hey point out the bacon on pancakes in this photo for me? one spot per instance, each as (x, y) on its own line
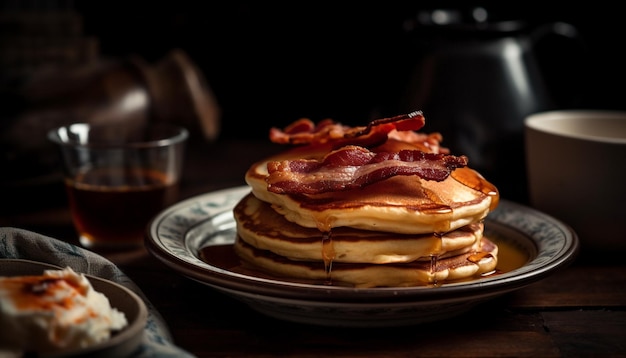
(304, 131)
(353, 167)
(350, 164)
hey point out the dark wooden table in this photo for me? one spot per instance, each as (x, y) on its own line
(578, 311)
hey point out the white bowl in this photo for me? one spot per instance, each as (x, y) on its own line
(575, 165)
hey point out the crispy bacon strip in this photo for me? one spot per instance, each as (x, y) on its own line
(304, 131)
(354, 167)
(430, 142)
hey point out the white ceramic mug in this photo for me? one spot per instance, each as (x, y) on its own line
(576, 168)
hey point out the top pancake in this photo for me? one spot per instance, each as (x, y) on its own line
(401, 204)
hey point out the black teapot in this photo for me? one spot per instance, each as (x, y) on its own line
(476, 79)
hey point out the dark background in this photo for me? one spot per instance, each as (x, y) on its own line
(270, 63)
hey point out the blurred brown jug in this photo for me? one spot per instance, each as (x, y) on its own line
(126, 90)
(476, 79)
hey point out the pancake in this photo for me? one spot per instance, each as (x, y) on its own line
(365, 228)
(401, 204)
(455, 268)
(262, 227)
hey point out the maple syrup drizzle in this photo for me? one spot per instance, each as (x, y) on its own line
(434, 258)
(433, 268)
(477, 256)
(328, 255)
(472, 179)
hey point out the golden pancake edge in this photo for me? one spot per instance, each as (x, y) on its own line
(262, 227)
(454, 268)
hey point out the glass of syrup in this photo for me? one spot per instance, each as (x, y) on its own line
(118, 176)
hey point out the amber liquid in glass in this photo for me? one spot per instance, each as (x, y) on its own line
(111, 207)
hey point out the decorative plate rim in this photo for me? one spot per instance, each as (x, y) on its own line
(167, 239)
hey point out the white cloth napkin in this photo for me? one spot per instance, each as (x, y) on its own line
(23, 244)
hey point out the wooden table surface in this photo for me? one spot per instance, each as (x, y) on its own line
(578, 311)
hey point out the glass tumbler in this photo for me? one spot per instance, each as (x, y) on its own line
(118, 177)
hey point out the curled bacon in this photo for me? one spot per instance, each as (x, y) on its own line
(304, 131)
(354, 167)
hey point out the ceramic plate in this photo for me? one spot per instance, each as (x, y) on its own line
(178, 234)
(122, 343)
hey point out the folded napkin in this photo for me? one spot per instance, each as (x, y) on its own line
(22, 244)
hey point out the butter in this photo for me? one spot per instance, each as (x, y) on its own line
(58, 310)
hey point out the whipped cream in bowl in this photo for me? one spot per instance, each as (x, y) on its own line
(57, 312)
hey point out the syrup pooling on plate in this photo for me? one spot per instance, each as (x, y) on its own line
(328, 255)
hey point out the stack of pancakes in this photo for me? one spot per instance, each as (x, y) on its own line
(397, 232)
